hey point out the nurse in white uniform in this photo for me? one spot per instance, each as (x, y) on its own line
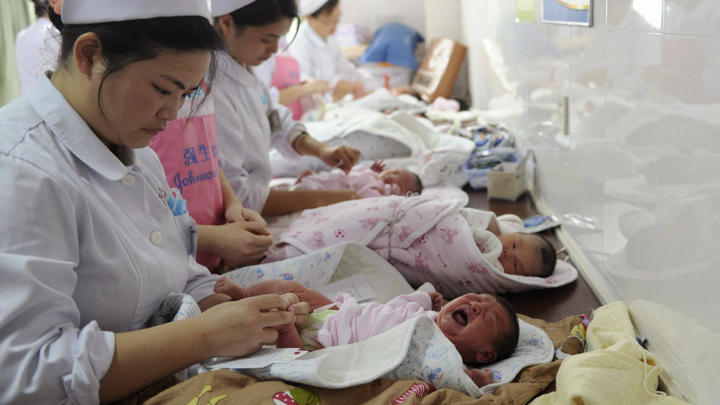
(249, 124)
(89, 247)
(287, 95)
(318, 53)
(27, 46)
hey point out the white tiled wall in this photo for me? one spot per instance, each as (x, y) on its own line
(641, 166)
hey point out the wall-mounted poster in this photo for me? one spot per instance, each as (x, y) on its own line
(526, 10)
(571, 12)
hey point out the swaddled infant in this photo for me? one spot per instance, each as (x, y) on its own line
(524, 254)
(458, 250)
(482, 327)
(373, 182)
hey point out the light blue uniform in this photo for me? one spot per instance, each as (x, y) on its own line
(88, 248)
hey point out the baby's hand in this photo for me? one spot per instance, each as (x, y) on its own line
(436, 301)
(482, 377)
(378, 166)
(308, 172)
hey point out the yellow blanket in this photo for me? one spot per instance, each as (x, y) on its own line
(614, 372)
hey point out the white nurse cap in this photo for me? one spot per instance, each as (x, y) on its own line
(222, 7)
(308, 7)
(100, 11)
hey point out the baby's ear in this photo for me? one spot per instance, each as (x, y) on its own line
(486, 356)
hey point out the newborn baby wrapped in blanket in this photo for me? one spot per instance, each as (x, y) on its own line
(375, 181)
(482, 328)
(428, 240)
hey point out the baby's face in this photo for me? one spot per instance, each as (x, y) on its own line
(403, 180)
(521, 254)
(472, 323)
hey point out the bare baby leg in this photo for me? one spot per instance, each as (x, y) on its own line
(280, 287)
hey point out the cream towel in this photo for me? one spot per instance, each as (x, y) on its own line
(614, 373)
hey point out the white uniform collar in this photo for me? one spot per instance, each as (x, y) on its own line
(313, 36)
(236, 71)
(73, 131)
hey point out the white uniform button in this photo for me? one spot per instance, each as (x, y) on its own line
(128, 180)
(156, 238)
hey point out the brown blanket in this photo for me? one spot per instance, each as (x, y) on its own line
(226, 387)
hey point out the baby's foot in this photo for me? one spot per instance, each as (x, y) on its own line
(436, 301)
(230, 288)
(482, 377)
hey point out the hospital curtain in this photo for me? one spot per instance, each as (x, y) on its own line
(15, 15)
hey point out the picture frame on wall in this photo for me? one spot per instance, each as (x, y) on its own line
(568, 12)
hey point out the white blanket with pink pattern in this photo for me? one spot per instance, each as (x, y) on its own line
(426, 239)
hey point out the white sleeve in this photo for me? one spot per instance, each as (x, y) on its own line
(345, 69)
(306, 57)
(251, 191)
(283, 140)
(274, 94)
(200, 282)
(46, 356)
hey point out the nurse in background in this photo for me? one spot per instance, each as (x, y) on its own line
(281, 75)
(249, 123)
(319, 54)
(188, 151)
(89, 244)
(28, 43)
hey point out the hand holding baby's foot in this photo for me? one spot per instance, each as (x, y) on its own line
(436, 299)
(482, 377)
(230, 288)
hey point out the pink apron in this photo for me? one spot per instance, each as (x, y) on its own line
(188, 151)
(287, 73)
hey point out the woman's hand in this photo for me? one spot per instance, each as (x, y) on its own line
(333, 155)
(298, 308)
(239, 243)
(313, 86)
(342, 89)
(236, 213)
(239, 328)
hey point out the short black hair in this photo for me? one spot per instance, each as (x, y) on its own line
(506, 343)
(264, 12)
(41, 7)
(549, 257)
(127, 42)
(326, 8)
(418, 183)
